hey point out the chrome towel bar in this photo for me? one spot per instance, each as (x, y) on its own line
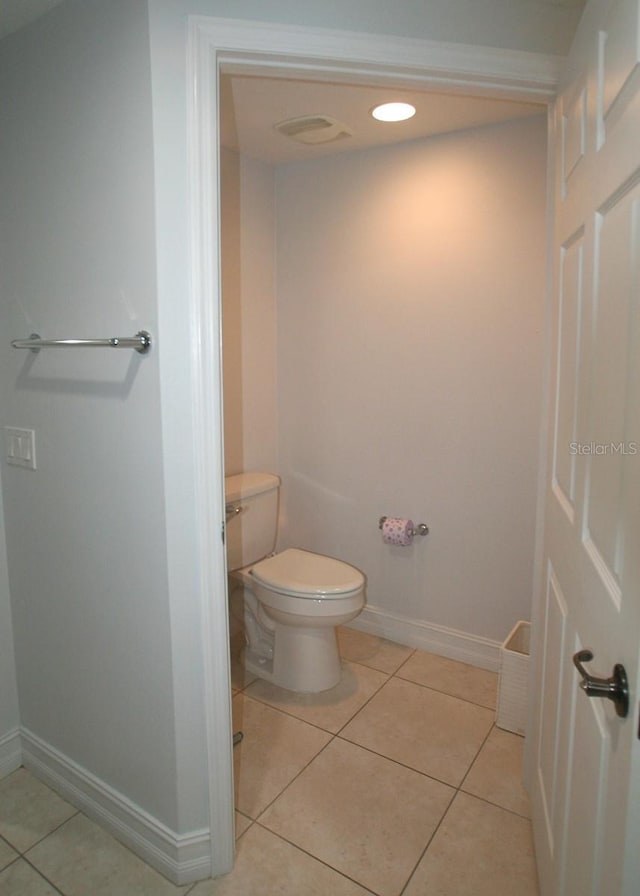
(141, 342)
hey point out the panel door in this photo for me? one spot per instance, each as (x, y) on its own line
(586, 757)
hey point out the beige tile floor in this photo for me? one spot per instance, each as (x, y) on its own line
(395, 782)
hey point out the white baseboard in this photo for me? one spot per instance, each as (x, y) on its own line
(472, 649)
(182, 858)
(10, 752)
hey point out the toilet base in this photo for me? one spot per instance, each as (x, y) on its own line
(305, 659)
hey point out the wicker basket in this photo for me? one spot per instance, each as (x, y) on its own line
(513, 679)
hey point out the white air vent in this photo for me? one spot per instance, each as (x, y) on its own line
(314, 129)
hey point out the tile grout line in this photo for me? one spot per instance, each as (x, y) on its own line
(458, 791)
(334, 735)
(406, 659)
(338, 734)
(22, 853)
(53, 830)
(455, 789)
(473, 761)
(288, 785)
(446, 812)
(292, 715)
(317, 859)
(484, 799)
(4, 840)
(366, 703)
(428, 844)
(428, 687)
(397, 762)
(35, 868)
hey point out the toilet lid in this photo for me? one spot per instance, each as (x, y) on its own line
(306, 574)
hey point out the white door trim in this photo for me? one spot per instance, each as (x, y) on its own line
(455, 68)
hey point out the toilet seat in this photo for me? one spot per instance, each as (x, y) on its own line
(306, 575)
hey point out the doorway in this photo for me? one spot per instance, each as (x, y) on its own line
(216, 45)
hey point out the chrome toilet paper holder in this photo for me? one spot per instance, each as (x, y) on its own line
(420, 529)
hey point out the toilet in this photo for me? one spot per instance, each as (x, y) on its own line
(293, 600)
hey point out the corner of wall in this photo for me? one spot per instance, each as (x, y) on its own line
(10, 753)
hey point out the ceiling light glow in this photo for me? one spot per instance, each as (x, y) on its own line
(393, 111)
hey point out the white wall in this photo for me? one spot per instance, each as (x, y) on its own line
(511, 24)
(98, 639)
(410, 286)
(249, 314)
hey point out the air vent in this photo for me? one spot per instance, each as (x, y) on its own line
(313, 129)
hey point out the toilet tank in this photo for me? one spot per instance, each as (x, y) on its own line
(252, 517)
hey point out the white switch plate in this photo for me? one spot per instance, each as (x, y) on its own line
(20, 447)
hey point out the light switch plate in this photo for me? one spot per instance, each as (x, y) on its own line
(20, 447)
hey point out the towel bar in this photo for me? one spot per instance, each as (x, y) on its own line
(141, 342)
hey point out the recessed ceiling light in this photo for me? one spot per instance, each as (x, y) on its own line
(393, 111)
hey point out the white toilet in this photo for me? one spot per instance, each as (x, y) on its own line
(293, 600)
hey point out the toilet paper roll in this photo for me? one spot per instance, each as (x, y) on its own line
(397, 531)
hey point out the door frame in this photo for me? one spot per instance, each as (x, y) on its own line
(282, 50)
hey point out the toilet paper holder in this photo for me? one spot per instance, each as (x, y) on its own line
(420, 529)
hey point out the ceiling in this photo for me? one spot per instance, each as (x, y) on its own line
(252, 105)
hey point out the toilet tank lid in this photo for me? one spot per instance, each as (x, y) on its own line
(244, 485)
(303, 573)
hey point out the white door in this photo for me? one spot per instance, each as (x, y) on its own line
(586, 783)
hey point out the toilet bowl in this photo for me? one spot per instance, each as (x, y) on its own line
(293, 600)
(305, 596)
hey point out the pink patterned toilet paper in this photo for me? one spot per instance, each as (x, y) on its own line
(397, 531)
